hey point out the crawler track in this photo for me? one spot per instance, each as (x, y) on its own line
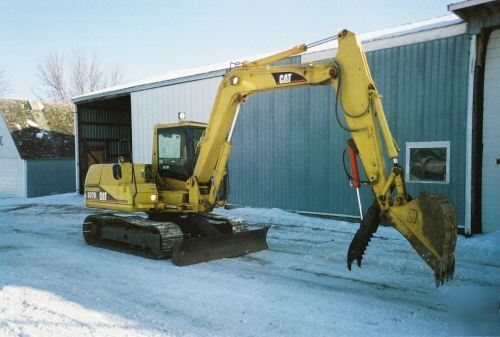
(186, 239)
(133, 235)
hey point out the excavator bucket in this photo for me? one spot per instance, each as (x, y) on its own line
(220, 246)
(429, 224)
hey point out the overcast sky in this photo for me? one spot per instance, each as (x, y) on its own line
(152, 37)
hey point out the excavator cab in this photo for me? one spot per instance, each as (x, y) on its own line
(175, 154)
(176, 150)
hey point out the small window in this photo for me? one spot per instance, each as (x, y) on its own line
(169, 145)
(428, 162)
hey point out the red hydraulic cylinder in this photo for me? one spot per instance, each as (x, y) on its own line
(355, 182)
(354, 166)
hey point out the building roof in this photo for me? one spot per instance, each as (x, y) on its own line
(475, 9)
(392, 32)
(219, 69)
(39, 130)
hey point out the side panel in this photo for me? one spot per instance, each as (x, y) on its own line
(161, 105)
(12, 177)
(491, 136)
(50, 176)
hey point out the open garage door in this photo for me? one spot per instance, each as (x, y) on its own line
(101, 125)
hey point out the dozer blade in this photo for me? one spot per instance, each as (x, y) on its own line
(429, 224)
(203, 249)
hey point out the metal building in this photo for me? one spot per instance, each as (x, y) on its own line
(287, 146)
(36, 148)
(483, 18)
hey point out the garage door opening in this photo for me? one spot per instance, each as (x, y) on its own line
(101, 126)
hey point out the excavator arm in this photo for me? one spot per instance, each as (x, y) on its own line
(427, 222)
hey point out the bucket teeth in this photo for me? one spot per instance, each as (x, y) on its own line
(445, 274)
(363, 236)
(357, 247)
(445, 271)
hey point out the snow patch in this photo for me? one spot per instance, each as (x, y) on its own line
(25, 311)
(41, 134)
(53, 284)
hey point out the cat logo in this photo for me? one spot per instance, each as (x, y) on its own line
(288, 78)
(285, 78)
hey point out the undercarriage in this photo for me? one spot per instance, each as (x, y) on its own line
(186, 239)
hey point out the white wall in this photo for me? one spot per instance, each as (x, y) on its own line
(12, 177)
(491, 138)
(12, 167)
(161, 105)
(7, 147)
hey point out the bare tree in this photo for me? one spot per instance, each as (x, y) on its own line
(115, 76)
(85, 74)
(96, 77)
(4, 84)
(51, 77)
(78, 73)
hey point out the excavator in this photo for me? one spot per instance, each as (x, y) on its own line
(187, 177)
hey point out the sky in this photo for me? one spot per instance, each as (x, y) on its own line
(151, 37)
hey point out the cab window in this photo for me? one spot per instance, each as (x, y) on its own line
(172, 154)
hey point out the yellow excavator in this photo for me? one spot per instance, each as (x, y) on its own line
(187, 177)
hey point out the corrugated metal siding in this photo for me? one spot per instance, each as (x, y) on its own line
(161, 105)
(491, 139)
(50, 176)
(288, 148)
(12, 177)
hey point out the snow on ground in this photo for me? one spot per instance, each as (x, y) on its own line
(53, 284)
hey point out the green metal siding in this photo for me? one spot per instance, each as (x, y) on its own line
(50, 176)
(288, 147)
